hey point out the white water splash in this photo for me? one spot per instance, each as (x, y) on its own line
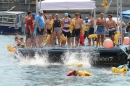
(39, 60)
(77, 58)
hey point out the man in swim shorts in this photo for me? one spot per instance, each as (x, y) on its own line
(100, 29)
(91, 29)
(111, 27)
(40, 22)
(77, 28)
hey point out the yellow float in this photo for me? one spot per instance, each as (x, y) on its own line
(79, 64)
(11, 48)
(72, 25)
(62, 38)
(85, 27)
(119, 70)
(116, 37)
(46, 39)
(84, 73)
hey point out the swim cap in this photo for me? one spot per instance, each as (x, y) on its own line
(66, 14)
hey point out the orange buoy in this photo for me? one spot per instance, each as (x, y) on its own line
(108, 43)
(126, 41)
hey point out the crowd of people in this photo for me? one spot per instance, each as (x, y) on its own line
(43, 24)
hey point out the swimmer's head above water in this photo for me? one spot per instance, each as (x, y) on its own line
(74, 73)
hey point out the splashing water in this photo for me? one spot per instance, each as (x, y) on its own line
(39, 60)
(77, 58)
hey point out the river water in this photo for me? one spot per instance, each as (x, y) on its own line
(38, 72)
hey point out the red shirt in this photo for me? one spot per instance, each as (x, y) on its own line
(29, 21)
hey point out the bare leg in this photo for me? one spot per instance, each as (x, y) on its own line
(53, 39)
(89, 41)
(123, 36)
(102, 39)
(93, 41)
(72, 41)
(77, 42)
(112, 38)
(68, 42)
(98, 40)
(28, 44)
(58, 37)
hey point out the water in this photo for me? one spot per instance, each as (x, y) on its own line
(39, 72)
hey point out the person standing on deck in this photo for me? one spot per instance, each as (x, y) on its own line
(128, 29)
(77, 28)
(100, 29)
(25, 21)
(91, 29)
(66, 21)
(123, 29)
(40, 22)
(49, 28)
(86, 23)
(45, 15)
(29, 29)
(111, 27)
(57, 25)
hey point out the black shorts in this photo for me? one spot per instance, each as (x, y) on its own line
(77, 33)
(66, 34)
(40, 32)
(85, 34)
(48, 31)
(72, 34)
(29, 35)
(112, 33)
(91, 31)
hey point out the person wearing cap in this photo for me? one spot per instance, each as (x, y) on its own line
(66, 21)
(100, 29)
(40, 22)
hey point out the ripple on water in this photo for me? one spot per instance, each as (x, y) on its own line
(37, 73)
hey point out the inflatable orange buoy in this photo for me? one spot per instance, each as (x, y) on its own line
(108, 43)
(81, 39)
(126, 41)
(69, 73)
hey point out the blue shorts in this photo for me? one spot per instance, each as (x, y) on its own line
(111, 32)
(56, 29)
(100, 30)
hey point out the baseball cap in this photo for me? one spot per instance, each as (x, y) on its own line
(40, 11)
(86, 18)
(66, 14)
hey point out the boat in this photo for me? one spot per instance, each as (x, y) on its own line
(11, 22)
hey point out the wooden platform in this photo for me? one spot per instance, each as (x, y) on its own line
(115, 55)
